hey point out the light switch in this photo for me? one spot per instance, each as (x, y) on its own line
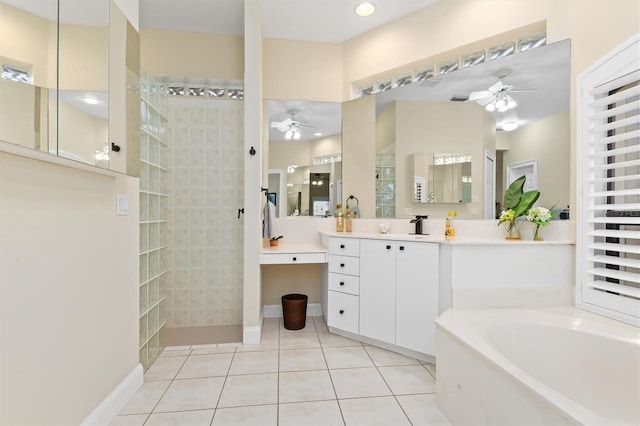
(122, 205)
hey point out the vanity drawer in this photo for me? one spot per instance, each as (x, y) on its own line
(343, 311)
(344, 283)
(344, 265)
(290, 258)
(344, 246)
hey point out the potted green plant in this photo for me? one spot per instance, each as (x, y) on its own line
(516, 203)
(273, 241)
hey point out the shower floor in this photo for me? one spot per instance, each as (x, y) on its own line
(180, 336)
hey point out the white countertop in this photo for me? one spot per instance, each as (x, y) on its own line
(466, 240)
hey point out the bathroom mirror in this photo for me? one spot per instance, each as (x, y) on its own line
(441, 178)
(55, 61)
(305, 147)
(28, 51)
(83, 81)
(542, 135)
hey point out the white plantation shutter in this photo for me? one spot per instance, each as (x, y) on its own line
(608, 243)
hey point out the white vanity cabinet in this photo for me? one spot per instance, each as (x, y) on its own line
(378, 289)
(417, 284)
(343, 284)
(399, 293)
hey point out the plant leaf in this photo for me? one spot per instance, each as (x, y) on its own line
(513, 193)
(527, 200)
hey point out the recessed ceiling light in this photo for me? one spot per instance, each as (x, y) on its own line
(365, 9)
(317, 134)
(90, 100)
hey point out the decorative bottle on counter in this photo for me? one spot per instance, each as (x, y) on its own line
(339, 219)
(347, 220)
(449, 232)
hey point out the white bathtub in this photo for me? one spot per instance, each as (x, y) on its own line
(537, 366)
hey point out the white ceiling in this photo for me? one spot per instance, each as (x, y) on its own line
(310, 20)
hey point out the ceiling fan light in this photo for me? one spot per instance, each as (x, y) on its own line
(296, 135)
(491, 106)
(511, 103)
(288, 135)
(365, 9)
(509, 126)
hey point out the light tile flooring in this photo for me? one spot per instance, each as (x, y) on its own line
(305, 377)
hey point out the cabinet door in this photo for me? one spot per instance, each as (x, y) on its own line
(377, 289)
(417, 296)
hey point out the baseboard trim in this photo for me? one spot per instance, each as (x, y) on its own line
(253, 335)
(275, 311)
(109, 408)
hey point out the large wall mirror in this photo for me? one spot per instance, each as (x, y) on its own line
(436, 116)
(55, 57)
(305, 163)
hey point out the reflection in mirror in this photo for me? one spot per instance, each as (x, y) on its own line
(305, 147)
(83, 78)
(28, 52)
(542, 113)
(55, 76)
(441, 178)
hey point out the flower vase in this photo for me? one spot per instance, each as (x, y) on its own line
(512, 230)
(537, 234)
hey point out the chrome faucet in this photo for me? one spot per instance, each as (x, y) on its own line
(418, 222)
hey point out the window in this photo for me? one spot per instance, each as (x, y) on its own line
(16, 74)
(608, 243)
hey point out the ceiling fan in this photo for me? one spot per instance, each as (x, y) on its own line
(497, 97)
(291, 127)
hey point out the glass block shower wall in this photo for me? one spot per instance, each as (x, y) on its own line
(206, 178)
(153, 218)
(386, 185)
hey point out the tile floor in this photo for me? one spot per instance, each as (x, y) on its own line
(305, 377)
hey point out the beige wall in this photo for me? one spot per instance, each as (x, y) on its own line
(29, 40)
(84, 58)
(432, 127)
(17, 118)
(69, 288)
(188, 54)
(546, 141)
(303, 70)
(300, 153)
(278, 280)
(68, 293)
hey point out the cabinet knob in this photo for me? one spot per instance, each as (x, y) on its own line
(341, 282)
(342, 265)
(388, 247)
(341, 311)
(401, 247)
(341, 245)
(295, 258)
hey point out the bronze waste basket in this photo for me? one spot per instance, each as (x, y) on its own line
(294, 311)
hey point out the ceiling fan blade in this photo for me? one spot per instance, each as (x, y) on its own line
(482, 94)
(497, 86)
